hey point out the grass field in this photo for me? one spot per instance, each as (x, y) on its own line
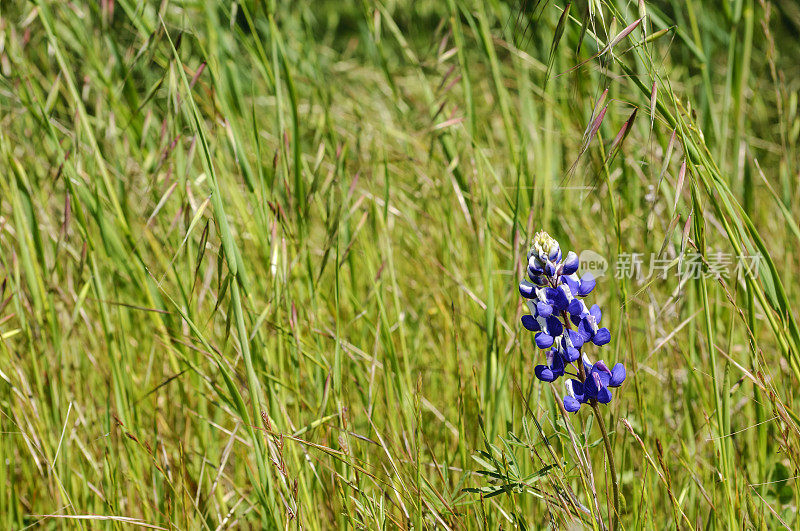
(259, 262)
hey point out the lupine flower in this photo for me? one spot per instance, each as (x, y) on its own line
(563, 324)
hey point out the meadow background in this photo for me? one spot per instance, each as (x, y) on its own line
(259, 262)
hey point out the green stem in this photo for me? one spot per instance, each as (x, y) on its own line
(611, 465)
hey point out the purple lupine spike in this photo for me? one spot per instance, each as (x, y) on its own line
(564, 325)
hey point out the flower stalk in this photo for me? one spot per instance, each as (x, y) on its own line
(611, 464)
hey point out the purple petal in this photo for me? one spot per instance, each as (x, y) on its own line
(539, 280)
(530, 323)
(527, 290)
(617, 375)
(543, 340)
(555, 253)
(571, 283)
(544, 309)
(586, 365)
(602, 373)
(557, 298)
(571, 263)
(544, 373)
(571, 354)
(576, 338)
(557, 366)
(601, 366)
(571, 405)
(575, 307)
(576, 389)
(554, 326)
(602, 337)
(587, 285)
(604, 395)
(595, 312)
(585, 330)
(592, 385)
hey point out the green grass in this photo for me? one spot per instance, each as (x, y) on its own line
(259, 262)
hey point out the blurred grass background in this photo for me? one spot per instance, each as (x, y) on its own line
(258, 261)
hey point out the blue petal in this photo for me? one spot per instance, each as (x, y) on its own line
(550, 269)
(539, 280)
(571, 405)
(585, 330)
(576, 338)
(543, 340)
(604, 395)
(602, 337)
(530, 323)
(587, 367)
(587, 285)
(571, 283)
(544, 309)
(557, 298)
(571, 263)
(575, 307)
(527, 290)
(558, 364)
(555, 253)
(592, 385)
(617, 375)
(601, 366)
(595, 312)
(544, 373)
(603, 374)
(571, 354)
(578, 389)
(554, 326)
